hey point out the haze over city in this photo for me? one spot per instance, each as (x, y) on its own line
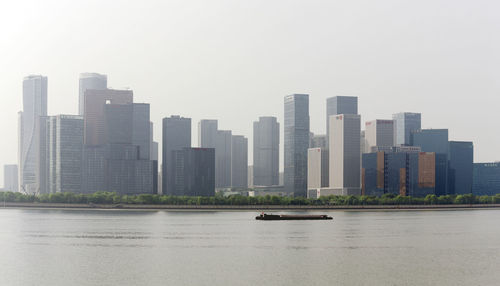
(234, 61)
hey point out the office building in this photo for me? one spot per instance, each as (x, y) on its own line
(435, 140)
(42, 141)
(207, 133)
(250, 177)
(404, 124)
(193, 172)
(153, 148)
(460, 162)
(141, 129)
(89, 81)
(10, 178)
(176, 136)
(223, 159)
(317, 168)
(339, 105)
(94, 119)
(318, 141)
(345, 155)
(266, 140)
(486, 179)
(404, 172)
(34, 105)
(239, 161)
(65, 154)
(378, 133)
(296, 143)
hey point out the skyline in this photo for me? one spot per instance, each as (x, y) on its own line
(448, 60)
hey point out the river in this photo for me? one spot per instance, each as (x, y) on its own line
(125, 247)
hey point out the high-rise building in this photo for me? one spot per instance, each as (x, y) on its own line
(317, 168)
(405, 171)
(430, 140)
(404, 124)
(153, 149)
(486, 179)
(94, 119)
(193, 172)
(10, 178)
(89, 81)
(116, 156)
(435, 140)
(378, 133)
(461, 158)
(339, 105)
(42, 139)
(176, 136)
(65, 149)
(207, 133)
(223, 159)
(34, 105)
(141, 135)
(266, 140)
(239, 161)
(296, 143)
(345, 153)
(319, 141)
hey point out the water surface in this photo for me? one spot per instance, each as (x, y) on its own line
(115, 247)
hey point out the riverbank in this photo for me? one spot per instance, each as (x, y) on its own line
(244, 207)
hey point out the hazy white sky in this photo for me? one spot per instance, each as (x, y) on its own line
(235, 60)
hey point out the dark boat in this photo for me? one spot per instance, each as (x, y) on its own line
(264, 216)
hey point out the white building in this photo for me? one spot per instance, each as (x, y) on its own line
(378, 133)
(317, 168)
(345, 154)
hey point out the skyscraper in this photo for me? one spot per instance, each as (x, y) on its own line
(345, 152)
(141, 135)
(223, 159)
(34, 105)
(239, 161)
(266, 140)
(319, 141)
(94, 120)
(379, 133)
(65, 149)
(193, 172)
(10, 178)
(339, 105)
(89, 81)
(431, 140)
(461, 158)
(404, 124)
(296, 143)
(317, 168)
(486, 179)
(207, 133)
(176, 136)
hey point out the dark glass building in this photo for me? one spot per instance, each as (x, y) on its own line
(460, 162)
(400, 173)
(176, 136)
(296, 143)
(193, 172)
(486, 179)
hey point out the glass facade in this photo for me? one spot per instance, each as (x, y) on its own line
(404, 124)
(461, 158)
(266, 140)
(296, 143)
(486, 179)
(176, 136)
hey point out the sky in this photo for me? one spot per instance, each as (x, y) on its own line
(235, 60)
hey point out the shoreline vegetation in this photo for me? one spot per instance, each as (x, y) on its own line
(109, 200)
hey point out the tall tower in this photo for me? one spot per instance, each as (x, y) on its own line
(296, 143)
(89, 81)
(339, 105)
(207, 133)
(176, 136)
(379, 133)
(239, 161)
(34, 106)
(345, 163)
(404, 124)
(266, 140)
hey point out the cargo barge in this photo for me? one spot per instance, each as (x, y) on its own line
(264, 216)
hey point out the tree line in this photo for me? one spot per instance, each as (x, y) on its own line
(239, 200)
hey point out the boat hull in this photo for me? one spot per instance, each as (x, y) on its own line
(292, 217)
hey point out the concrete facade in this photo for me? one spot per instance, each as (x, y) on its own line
(266, 140)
